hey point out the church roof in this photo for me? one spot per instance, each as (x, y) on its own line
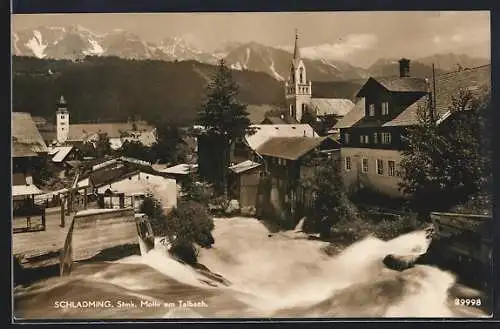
(331, 106)
(113, 130)
(296, 49)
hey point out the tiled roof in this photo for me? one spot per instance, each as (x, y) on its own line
(113, 130)
(61, 153)
(353, 116)
(20, 190)
(410, 115)
(180, 169)
(290, 148)
(275, 121)
(26, 138)
(406, 84)
(331, 106)
(105, 176)
(449, 84)
(244, 166)
(265, 132)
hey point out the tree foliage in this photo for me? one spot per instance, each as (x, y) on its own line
(136, 150)
(446, 163)
(221, 113)
(330, 203)
(186, 226)
(169, 146)
(224, 118)
(103, 145)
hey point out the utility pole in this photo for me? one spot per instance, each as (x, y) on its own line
(433, 101)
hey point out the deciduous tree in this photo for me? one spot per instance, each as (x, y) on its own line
(447, 162)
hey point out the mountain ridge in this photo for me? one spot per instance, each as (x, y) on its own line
(75, 42)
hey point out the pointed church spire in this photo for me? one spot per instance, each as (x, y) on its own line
(62, 101)
(296, 50)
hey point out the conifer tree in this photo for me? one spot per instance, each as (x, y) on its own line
(223, 117)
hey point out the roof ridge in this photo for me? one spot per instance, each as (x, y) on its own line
(464, 70)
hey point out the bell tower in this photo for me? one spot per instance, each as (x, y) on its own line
(297, 89)
(62, 121)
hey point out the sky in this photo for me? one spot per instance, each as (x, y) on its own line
(360, 37)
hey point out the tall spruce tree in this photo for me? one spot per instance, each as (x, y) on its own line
(224, 119)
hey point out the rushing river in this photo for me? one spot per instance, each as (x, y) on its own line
(281, 275)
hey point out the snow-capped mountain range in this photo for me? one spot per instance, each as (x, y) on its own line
(75, 42)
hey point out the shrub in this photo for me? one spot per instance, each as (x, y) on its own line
(189, 224)
(152, 207)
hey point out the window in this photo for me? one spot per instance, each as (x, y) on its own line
(301, 75)
(346, 138)
(375, 138)
(380, 167)
(385, 108)
(304, 108)
(347, 163)
(391, 167)
(364, 165)
(371, 110)
(364, 139)
(386, 138)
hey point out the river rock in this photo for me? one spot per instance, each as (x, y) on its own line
(399, 262)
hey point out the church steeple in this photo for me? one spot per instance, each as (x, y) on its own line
(296, 49)
(297, 88)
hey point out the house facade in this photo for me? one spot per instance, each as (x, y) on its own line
(282, 194)
(373, 134)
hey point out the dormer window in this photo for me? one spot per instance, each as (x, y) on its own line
(385, 108)
(371, 110)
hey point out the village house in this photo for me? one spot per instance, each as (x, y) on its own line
(243, 182)
(123, 182)
(66, 133)
(29, 154)
(373, 133)
(282, 194)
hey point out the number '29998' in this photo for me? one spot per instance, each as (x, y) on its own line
(468, 301)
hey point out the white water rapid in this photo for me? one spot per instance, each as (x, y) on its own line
(268, 275)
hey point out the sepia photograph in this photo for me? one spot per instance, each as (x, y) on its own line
(251, 165)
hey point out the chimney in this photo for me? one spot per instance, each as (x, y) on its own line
(404, 68)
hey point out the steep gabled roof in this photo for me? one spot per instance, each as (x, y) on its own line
(290, 148)
(26, 139)
(353, 116)
(397, 84)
